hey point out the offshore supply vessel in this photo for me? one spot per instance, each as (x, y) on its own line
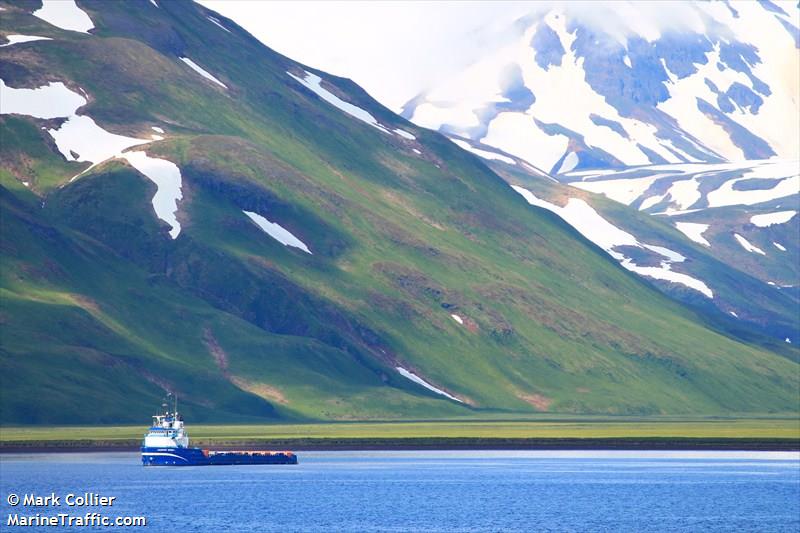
(166, 443)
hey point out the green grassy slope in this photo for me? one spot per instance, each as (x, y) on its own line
(102, 311)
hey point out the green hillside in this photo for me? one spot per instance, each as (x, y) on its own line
(102, 311)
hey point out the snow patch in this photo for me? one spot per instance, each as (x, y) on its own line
(218, 23)
(672, 255)
(277, 232)
(769, 219)
(789, 184)
(64, 14)
(418, 380)
(779, 246)
(664, 272)
(17, 39)
(313, 83)
(682, 105)
(685, 193)
(154, 2)
(79, 138)
(517, 134)
(594, 227)
(53, 100)
(569, 163)
(622, 190)
(457, 318)
(91, 143)
(734, 314)
(167, 177)
(650, 201)
(747, 246)
(585, 219)
(200, 70)
(483, 153)
(156, 129)
(404, 134)
(686, 182)
(694, 231)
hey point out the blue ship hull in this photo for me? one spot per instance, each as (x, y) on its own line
(200, 457)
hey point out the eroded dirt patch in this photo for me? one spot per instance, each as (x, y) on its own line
(219, 355)
(262, 390)
(541, 403)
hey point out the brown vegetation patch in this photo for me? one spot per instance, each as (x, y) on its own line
(539, 402)
(403, 203)
(219, 355)
(87, 304)
(262, 390)
(470, 324)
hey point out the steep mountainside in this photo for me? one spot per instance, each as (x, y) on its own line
(625, 84)
(184, 209)
(720, 206)
(687, 112)
(703, 264)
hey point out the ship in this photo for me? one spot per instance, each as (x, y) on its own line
(166, 443)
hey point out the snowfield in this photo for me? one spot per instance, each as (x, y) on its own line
(563, 90)
(277, 232)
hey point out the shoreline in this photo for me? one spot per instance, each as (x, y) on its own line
(427, 443)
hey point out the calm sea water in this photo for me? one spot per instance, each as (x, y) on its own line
(428, 491)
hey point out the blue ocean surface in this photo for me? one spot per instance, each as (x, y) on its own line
(426, 491)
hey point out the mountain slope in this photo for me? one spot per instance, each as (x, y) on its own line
(608, 85)
(756, 200)
(184, 209)
(691, 262)
(686, 111)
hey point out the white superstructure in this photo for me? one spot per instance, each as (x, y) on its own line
(167, 431)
